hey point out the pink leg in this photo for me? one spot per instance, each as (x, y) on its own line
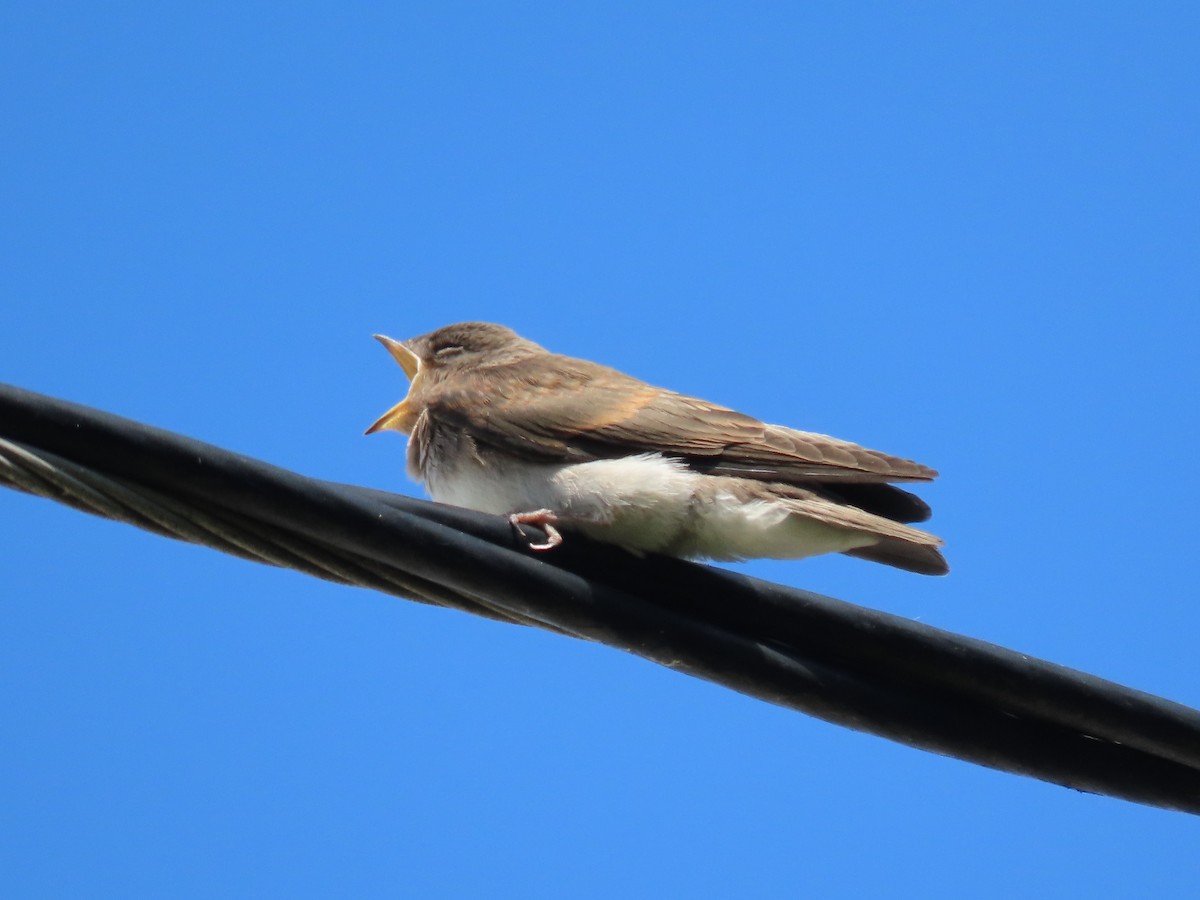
(544, 519)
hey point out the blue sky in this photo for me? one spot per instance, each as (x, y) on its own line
(967, 235)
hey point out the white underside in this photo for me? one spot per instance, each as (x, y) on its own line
(644, 503)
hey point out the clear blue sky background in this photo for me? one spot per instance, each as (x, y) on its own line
(968, 235)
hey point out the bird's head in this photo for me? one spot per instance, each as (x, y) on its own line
(442, 353)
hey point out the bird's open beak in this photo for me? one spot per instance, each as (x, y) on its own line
(400, 417)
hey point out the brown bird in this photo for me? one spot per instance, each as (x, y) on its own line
(499, 424)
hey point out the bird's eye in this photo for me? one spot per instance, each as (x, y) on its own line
(447, 352)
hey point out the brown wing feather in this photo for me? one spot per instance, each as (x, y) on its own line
(839, 516)
(573, 410)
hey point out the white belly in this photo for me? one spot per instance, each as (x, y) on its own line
(644, 503)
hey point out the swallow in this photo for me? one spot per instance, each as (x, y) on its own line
(499, 424)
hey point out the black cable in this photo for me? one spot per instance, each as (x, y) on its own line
(856, 667)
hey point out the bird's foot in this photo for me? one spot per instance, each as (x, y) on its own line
(544, 519)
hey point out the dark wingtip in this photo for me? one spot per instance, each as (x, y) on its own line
(882, 500)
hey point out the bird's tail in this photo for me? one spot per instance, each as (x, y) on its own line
(896, 544)
(920, 558)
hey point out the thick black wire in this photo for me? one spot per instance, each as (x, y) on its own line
(49, 475)
(857, 667)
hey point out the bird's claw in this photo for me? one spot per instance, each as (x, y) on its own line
(544, 519)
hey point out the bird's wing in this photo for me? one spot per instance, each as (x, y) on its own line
(572, 410)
